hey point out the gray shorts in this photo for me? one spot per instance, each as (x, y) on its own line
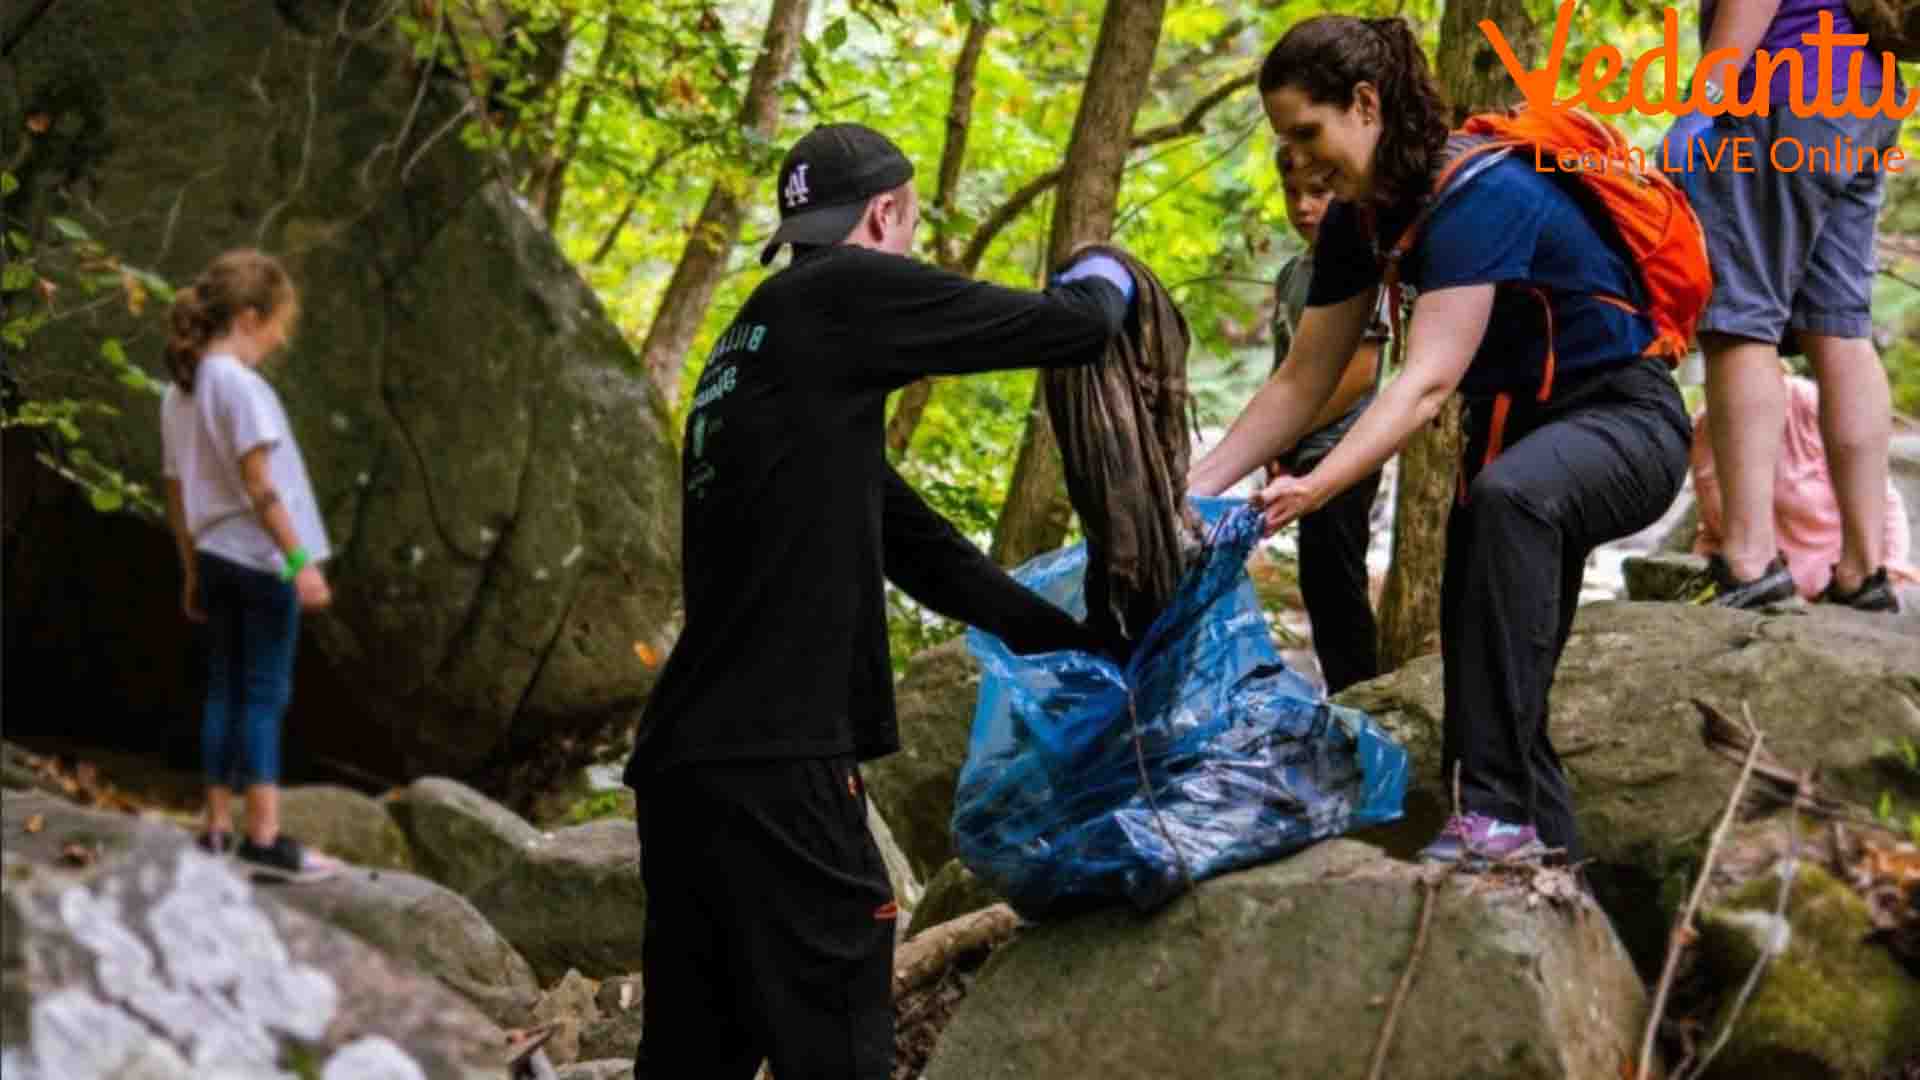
(1792, 246)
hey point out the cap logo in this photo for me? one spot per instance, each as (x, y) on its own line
(796, 192)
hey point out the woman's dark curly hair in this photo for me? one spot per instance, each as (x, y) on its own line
(1325, 57)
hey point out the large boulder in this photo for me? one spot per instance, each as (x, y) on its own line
(574, 901)
(1284, 969)
(130, 953)
(459, 837)
(914, 788)
(1832, 688)
(433, 928)
(495, 469)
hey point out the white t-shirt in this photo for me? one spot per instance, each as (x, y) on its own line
(204, 435)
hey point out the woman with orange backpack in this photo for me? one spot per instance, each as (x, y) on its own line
(1548, 302)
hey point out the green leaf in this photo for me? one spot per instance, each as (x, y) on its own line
(1884, 810)
(155, 284)
(113, 352)
(16, 277)
(105, 500)
(836, 34)
(8, 183)
(70, 228)
(20, 241)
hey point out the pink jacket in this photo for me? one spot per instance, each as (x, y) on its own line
(1806, 518)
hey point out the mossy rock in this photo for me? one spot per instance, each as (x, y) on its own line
(953, 892)
(1831, 1005)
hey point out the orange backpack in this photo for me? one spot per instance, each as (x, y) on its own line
(1659, 233)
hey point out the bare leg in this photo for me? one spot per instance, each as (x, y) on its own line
(263, 813)
(219, 809)
(1747, 410)
(1856, 410)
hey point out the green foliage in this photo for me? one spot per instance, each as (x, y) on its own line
(1907, 751)
(617, 803)
(65, 260)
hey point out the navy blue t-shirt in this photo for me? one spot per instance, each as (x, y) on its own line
(1509, 225)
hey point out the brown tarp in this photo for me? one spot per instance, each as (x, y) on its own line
(1125, 440)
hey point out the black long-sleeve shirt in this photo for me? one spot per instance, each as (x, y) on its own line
(792, 515)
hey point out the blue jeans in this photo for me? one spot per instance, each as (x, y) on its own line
(252, 629)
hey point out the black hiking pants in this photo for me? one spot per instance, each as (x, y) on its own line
(1602, 460)
(770, 924)
(1333, 583)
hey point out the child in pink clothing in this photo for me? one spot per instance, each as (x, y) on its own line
(1806, 516)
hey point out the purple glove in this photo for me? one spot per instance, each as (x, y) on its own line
(1105, 267)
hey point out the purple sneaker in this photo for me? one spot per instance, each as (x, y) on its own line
(1476, 839)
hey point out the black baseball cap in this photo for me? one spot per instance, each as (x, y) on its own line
(825, 182)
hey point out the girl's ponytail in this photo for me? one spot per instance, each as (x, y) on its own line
(188, 332)
(205, 310)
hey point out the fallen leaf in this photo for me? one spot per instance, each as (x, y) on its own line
(647, 654)
(36, 823)
(39, 123)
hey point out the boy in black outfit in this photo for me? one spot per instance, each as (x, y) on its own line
(770, 921)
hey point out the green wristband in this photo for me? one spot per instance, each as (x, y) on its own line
(297, 560)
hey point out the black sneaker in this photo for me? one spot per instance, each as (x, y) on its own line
(286, 859)
(1874, 594)
(1724, 590)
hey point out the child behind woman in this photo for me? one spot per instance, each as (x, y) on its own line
(250, 541)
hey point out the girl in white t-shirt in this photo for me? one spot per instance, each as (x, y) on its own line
(249, 537)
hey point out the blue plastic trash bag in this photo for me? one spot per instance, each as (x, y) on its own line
(1242, 761)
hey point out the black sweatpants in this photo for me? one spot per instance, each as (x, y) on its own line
(1333, 582)
(1602, 460)
(770, 924)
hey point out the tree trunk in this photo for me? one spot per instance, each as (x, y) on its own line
(1035, 516)
(553, 185)
(911, 405)
(1474, 80)
(690, 291)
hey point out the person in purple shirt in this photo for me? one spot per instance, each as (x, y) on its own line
(1791, 243)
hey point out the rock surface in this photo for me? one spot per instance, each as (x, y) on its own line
(494, 468)
(459, 837)
(914, 787)
(431, 927)
(1669, 576)
(953, 892)
(1829, 688)
(1282, 970)
(341, 822)
(574, 901)
(148, 958)
(1830, 1004)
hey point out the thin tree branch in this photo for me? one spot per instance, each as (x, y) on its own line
(555, 187)
(19, 31)
(1017, 203)
(1133, 211)
(1787, 876)
(911, 405)
(640, 182)
(1683, 933)
(1385, 1040)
